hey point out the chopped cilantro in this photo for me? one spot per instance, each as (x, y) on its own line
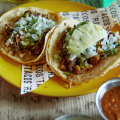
(24, 46)
(47, 23)
(34, 20)
(17, 25)
(23, 29)
(58, 58)
(32, 43)
(28, 42)
(27, 29)
(109, 52)
(41, 36)
(66, 73)
(33, 31)
(113, 51)
(82, 64)
(26, 14)
(117, 44)
(77, 26)
(11, 39)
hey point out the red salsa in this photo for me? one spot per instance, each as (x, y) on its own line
(111, 103)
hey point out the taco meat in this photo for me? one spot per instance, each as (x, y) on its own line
(89, 57)
(24, 33)
(26, 37)
(79, 52)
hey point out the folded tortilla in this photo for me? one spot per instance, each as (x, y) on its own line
(25, 47)
(53, 49)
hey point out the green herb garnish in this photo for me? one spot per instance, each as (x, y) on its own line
(113, 51)
(27, 29)
(41, 36)
(82, 64)
(24, 46)
(11, 39)
(77, 26)
(66, 73)
(33, 31)
(109, 52)
(17, 25)
(34, 20)
(117, 44)
(32, 43)
(58, 58)
(26, 14)
(28, 42)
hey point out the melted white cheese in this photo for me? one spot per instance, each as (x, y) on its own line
(85, 36)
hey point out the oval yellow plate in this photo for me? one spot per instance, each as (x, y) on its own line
(11, 71)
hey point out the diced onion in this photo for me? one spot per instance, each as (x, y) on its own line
(31, 27)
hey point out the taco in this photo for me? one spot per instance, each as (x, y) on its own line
(79, 52)
(24, 33)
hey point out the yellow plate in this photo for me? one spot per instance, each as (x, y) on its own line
(11, 71)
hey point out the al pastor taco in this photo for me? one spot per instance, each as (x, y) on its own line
(24, 33)
(79, 52)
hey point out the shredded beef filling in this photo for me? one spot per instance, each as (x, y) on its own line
(74, 66)
(17, 48)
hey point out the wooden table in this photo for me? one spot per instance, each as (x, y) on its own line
(14, 106)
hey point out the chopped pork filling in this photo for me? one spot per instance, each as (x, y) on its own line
(26, 37)
(72, 64)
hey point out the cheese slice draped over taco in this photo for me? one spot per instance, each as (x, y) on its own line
(24, 33)
(81, 51)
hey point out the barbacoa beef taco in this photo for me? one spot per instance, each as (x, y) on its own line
(24, 33)
(78, 52)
